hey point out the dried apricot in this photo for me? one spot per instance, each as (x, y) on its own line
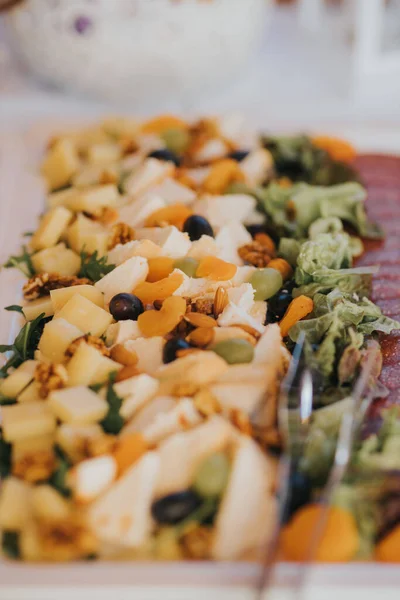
(337, 149)
(281, 265)
(299, 308)
(129, 449)
(388, 549)
(161, 123)
(159, 290)
(159, 268)
(161, 322)
(174, 214)
(216, 268)
(222, 173)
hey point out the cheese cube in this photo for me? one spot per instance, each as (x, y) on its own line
(229, 238)
(135, 391)
(182, 417)
(149, 351)
(123, 278)
(27, 420)
(136, 213)
(85, 315)
(38, 307)
(198, 368)
(30, 394)
(60, 164)
(18, 380)
(51, 228)
(220, 209)
(91, 175)
(59, 298)
(118, 333)
(78, 405)
(58, 259)
(87, 367)
(72, 439)
(205, 246)
(60, 198)
(172, 191)
(95, 199)
(174, 243)
(88, 234)
(106, 153)
(199, 174)
(56, 337)
(30, 445)
(48, 504)
(121, 252)
(213, 149)
(123, 514)
(15, 504)
(93, 477)
(151, 172)
(257, 166)
(246, 397)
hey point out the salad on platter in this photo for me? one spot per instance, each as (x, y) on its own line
(174, 268)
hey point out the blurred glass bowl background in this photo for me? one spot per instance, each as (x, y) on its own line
(145, 52)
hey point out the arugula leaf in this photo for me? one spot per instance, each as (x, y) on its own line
(23, 262)
(113, 422)
(28, 233)
(10, 544)
(5, 457)
(94, 267)
(24, 345)
(59, 478)
(5, 401)
(15, 308)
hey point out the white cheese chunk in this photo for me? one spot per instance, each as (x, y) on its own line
(199, 174)
(136, 213)
(243, 275)
(182, 417)
(92, 477)
(123, 278)
(259, 311)
(211, 150)
(78, 405)
(150, 173)
(135, 391)
(235, 315)
(245, 397)
(172, 191)
(220, 209)
(144, 248)
(123, 514)
(205, 246)
(242, 296)
(257, 166)
(95, 199)
(146, 415)
(229, 238)
(268, 347)
(85, 315)
(118, 333)
(149, 351)
(174, 243)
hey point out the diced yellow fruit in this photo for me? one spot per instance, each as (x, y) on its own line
(100, 154)
(56, 337)
(18, 380)
(88, 366)
(59, 259)
(15, 504)
(60, 198)
(72, 438)
(38, 307)
(51, 228)
(78, 405)
(124, 278)
(85, 315)
(59, 298)
(32, 444)
(30, 393)
(48, 504)
(27, 420)
(95, 199)
(60, 164)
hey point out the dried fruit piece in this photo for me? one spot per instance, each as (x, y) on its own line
(215, 268)
(160, 322)
(221, 301)
(299, 308)
(201, 337)
(121, 233)
(281, 265)
(200, 320)
(337, 149)
(159, 268)
(124, 356)
(159, 290)
(388, 549)
(223, 173)
(338, 543)
(127, 372)
(173, 214)
(163, 122)
(128, 450)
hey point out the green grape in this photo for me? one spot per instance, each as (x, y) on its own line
(212, 476)
(176, 140)
(266, 283)
(234, 351)
(187, 265)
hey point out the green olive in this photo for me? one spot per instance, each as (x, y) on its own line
(234, 351)
(187, 265)
(176, 140)
(266, 283)
(212, 476)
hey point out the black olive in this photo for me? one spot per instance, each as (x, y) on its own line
(196, 226)
(270, 317)
(166, 155)
(300, 491)
(238, 155)
(173, 508)
(172, 347)
(126, 306)
(278, 304)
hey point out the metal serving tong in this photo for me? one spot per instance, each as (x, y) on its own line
(295, 434)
